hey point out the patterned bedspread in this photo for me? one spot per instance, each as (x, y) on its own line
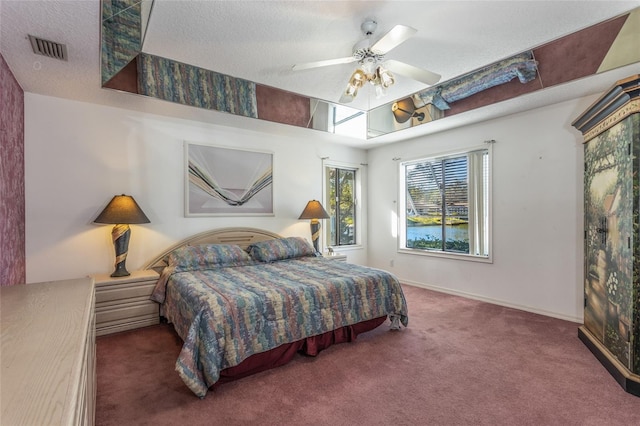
(227, 314)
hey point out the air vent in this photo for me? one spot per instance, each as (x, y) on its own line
(48, 48)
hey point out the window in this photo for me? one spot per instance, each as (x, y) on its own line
(342, 188)
(445, 204)
(338, 119)
(349, 122)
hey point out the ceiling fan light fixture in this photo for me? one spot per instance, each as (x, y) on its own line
(385, 78)
(357, 80)
(351, 91)
(368, 66)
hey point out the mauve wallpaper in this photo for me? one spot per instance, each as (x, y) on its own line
(12, 255)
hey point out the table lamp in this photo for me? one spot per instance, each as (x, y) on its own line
(121, 211)
(314, 211)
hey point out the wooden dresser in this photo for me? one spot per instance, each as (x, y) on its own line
(48, 353)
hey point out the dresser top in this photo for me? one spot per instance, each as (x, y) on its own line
(142, 275)
(44, 329)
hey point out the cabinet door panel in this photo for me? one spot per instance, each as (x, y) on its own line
(609, 238)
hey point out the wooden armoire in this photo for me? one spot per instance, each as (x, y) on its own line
(611, 132)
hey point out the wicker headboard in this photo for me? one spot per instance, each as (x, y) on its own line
(240, 236)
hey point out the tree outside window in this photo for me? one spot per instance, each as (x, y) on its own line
(446, 204)
(341, 197)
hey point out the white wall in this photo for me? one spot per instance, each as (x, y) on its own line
(79, 155)
(537, 213)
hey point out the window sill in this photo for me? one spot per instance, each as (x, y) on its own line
(447, 255)
(340, 249)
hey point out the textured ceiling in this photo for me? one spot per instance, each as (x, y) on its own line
(260, 41)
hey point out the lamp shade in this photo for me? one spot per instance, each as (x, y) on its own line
(403, 109)
(122, 209)
(314, 210)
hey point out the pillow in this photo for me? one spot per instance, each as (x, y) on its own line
(208, 256)
(282, 248)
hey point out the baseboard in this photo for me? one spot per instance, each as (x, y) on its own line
(494, 301)
(630, 382)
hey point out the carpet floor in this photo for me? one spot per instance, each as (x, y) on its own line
(459, 362)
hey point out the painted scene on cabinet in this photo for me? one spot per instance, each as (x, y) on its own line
(611, 186)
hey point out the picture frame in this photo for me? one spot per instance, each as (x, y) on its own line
(224, 181)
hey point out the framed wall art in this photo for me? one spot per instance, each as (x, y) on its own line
(222, 181)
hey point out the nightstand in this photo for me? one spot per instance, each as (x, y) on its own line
(123, 303)
(336, 256)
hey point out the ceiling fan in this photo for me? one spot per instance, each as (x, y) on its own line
(373, 68)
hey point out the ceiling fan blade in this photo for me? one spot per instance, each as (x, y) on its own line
(345, 99)
(393, 38)
(317, 64)
(412, 72)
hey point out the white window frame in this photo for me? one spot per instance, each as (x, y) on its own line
(402, 211)
(358, 203)
(353, 125)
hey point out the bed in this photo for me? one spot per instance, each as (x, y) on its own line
(244, 300)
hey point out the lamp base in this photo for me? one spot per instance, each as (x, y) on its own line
(121, 270)
(315, 233)
(120, 235)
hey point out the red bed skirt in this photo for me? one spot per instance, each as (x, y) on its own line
(309, 346)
